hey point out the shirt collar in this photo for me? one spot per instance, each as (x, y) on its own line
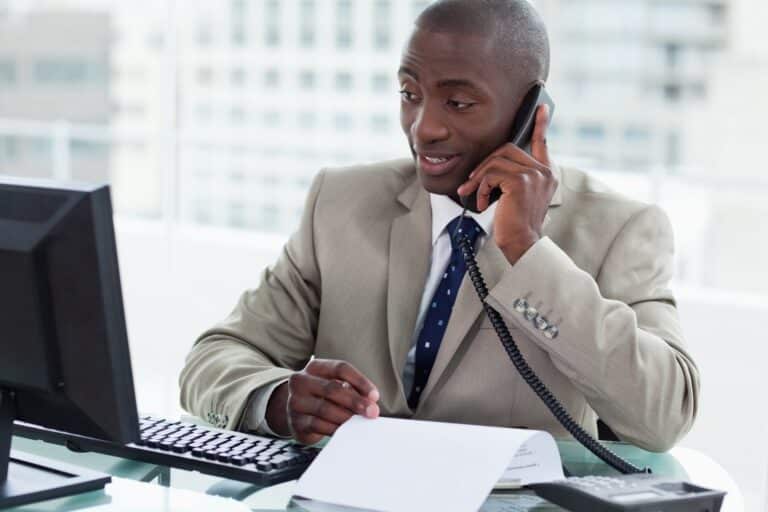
(444, 210)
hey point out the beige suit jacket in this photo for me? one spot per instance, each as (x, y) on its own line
(348, 285)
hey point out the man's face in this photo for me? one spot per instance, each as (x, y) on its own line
(457, 105)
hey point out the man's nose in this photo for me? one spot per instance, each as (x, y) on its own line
(428, 127)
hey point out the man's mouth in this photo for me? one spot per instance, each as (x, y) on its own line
(436, 165)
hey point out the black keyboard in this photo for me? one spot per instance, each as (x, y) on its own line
(234, 455)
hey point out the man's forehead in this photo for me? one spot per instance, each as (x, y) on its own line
(447, 52)
(446, 45)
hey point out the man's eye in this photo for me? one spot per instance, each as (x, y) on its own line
(460, 105)
(408, 95)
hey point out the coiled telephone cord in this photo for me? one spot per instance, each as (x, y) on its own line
(530, 377)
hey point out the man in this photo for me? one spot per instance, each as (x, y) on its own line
(372, 284)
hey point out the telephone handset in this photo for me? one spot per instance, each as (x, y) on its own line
(525, 120)
(521, 132)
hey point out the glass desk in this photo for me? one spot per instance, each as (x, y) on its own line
(146, 487)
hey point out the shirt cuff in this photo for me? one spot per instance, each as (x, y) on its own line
(256, 417)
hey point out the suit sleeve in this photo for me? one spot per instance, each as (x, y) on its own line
(269, 335)
(618, 335)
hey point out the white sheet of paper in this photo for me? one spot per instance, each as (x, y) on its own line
(537, 460)
(397, 465)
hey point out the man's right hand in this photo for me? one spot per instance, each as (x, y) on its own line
(317, 400)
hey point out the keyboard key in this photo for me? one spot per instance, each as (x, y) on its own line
(178, 448)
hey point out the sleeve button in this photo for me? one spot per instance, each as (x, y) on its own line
(520, 305)
(551, 332)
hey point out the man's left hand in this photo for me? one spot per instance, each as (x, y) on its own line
(527, 186)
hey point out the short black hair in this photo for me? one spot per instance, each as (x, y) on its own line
(518, 31)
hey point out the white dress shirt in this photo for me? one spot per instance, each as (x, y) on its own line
(444, 210)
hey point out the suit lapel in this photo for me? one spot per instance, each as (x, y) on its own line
(410, 247)
(466, 311)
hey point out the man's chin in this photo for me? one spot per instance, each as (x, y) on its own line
(441, 185)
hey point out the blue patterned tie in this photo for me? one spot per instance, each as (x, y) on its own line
(439, 310)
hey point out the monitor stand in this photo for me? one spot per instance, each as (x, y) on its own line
(32, 479)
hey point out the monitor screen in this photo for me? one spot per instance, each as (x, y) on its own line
(66, 358)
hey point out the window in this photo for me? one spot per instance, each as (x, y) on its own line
(672, 52)
(204, 112)
(9, 147)
(698, 90)
(307, 23)
(591, 132)
(238, 35)
(672, 92)
(88, 149)
(271, 78)
(238, 77)
(40, 147)
(156, 40)
(238, 15)
(307, 120)
(307, 79)
(204, 76)
(202, 211)
(343, 24)
(382, 24)
(342, 122)
(343, 81)
(237, 214)
(717, 13)
(272, 23)
(269, 217)
(204, 37)
(380, 123)
(382, 82)
(673, 149)
(237, 114)
(67, 70)
(636, 134)
(272, 118)
(7, 72)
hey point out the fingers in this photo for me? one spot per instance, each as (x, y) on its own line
(325, 395)
(539, 149)
(488, 183)
(340, 393)
(320, 408)
(499, 172)
(345, 372)
(310, 429)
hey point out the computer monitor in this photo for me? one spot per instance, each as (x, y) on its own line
(64, 358)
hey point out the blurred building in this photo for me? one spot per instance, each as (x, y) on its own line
(143, 91)
(725, 141)
(54, 65)
(222, 111)
(626, 73)
(270, 91)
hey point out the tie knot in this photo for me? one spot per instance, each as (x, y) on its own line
(469, 228)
